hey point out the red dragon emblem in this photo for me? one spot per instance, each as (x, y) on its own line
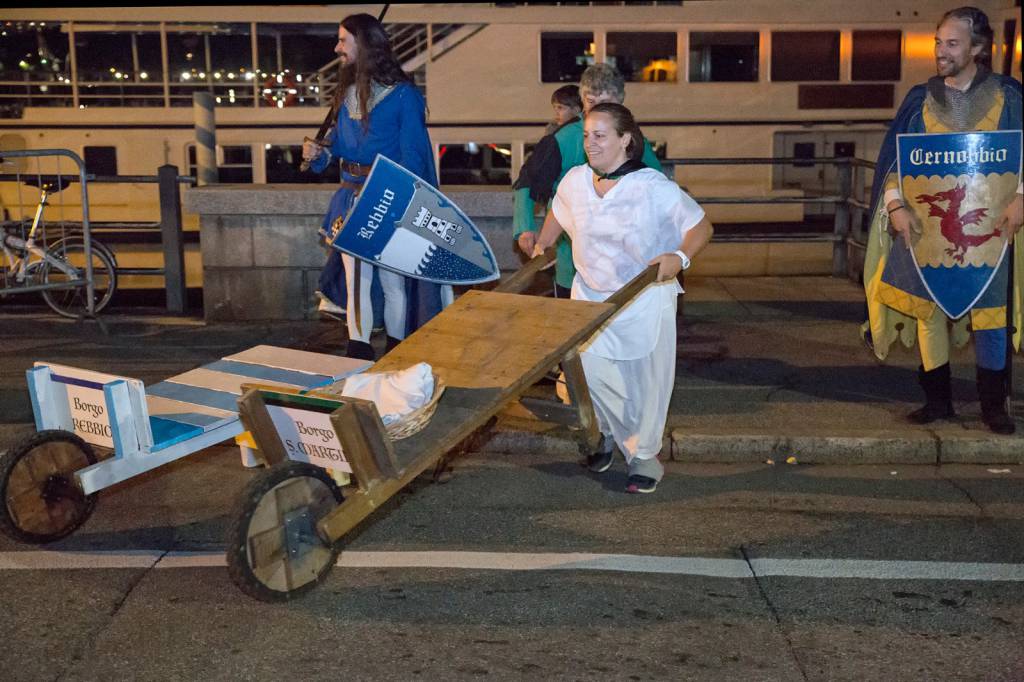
(951, 223)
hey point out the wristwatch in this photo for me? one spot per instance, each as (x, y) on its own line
(684, 258)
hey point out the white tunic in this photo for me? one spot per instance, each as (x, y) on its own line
(613, 238)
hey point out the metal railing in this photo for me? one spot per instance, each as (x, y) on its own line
(849, 201)
(170, 224)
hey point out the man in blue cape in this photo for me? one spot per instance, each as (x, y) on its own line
(380, 111)
(965, 96)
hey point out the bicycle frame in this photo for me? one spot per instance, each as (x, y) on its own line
(18, 252)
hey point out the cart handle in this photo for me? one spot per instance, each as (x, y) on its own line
(633, 287)
(522, 277)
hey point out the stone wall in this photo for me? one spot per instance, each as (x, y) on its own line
(262, 256)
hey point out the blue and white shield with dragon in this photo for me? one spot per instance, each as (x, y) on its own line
(958, 185)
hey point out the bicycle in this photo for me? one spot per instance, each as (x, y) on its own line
(57, 270)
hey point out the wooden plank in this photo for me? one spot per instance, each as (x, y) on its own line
(301, 360)
(452, 422)
(202, 377)
(271, 374)
(253, 413)
(633, 287)
(522, 278)
(193, 395)
(357, 450)
(580, 393)
(188, 413)
(376, 437)
(494, 340)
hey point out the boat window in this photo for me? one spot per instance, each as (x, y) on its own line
(476, 163)
(284, 163)
(100, 160)
(723, 56)
(119, 68)
(36, 54)
(214, 58)
(291, 57)
(565, 55)
(236, 165)
(805, 55)
(877, 55)
(643, 57)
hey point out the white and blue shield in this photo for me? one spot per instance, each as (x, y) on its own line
(957, 185)
(401, 223)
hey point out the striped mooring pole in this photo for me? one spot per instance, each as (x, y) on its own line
(206, 138)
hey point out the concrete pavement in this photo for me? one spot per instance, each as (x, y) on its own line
(770, 368)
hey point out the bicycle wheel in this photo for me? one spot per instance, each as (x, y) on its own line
(72, 302)
(40, 501)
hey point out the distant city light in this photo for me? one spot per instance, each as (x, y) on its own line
(231, 75)
(185, 76)
(249, 76)
(216, 74)
(143, 75)
(117, 75)
(44, 88)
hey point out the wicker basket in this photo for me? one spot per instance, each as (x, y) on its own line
(414, 422)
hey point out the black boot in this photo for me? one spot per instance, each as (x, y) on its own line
(360, 350)
(938, 395)
(992, 394)
(391, 343)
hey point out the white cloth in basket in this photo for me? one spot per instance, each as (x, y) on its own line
(396, 394)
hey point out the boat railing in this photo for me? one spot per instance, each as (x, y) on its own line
(849, 228)
(56, 228)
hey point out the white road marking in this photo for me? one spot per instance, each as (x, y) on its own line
(828, 569)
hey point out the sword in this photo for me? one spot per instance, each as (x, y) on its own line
(328, 123)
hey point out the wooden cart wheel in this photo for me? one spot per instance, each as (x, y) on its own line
(42, 501)
(274, 550)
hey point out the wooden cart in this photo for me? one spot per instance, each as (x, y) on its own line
(95, 430)
(488, 348)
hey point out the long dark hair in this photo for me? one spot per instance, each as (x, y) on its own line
(624, 123)
(375, 61)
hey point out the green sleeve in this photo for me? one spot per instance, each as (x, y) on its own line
(522, 213)
(649, 158)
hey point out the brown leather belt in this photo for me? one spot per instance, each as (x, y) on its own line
(353, 168)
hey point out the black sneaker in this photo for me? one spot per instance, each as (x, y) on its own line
(600, 462)
(640, 484)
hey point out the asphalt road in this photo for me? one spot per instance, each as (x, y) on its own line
(522, 567)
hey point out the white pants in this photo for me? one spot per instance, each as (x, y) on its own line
(359, 310)
(631, 397)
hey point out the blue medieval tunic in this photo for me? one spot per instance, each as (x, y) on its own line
(398, 130)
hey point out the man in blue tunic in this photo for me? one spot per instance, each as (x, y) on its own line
(964, 96)
(379, 111)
